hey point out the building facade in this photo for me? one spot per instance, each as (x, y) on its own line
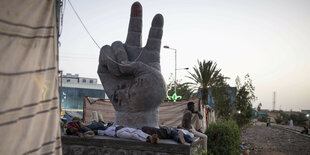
(231, 91)
(74, 88)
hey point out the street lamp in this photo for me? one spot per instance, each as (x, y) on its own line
(175, 96)
(175, 68)
(182, 68)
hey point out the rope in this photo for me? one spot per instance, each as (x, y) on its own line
(95, 40)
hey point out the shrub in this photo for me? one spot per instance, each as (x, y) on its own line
(243, 118)
(278, 120)
(299, 119)
(263, 119)
(223, 137)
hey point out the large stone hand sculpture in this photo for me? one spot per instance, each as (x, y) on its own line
(131, 75)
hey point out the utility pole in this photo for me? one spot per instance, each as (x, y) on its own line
(274, 101)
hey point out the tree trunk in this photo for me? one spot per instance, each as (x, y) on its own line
(204, 96)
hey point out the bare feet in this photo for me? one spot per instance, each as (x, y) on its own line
(181, 137)
(154, 139)
(88, 134)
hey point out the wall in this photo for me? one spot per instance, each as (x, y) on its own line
(73, 145)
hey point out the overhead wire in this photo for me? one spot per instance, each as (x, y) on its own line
(95, 40)
(83, 24)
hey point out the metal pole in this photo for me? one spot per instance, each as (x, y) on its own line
(60, 91)
(175, 68)
(175, 72)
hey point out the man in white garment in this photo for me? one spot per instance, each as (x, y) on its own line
(291, 124)
(129, 133)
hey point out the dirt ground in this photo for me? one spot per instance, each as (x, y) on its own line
(263, 140)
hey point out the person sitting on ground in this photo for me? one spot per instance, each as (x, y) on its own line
(128, 133)
(76, 127)
(164, 132)
(305, 131)
(191, 121)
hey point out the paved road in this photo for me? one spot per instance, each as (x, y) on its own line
(263, 140)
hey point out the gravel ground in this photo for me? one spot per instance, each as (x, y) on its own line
(263, 140)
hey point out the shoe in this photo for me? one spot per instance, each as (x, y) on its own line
(181, 137)
(96, 132)
(88, 134)
(154, 139)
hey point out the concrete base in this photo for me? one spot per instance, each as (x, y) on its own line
(73, 145)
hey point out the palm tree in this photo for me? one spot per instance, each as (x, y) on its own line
(205, 76)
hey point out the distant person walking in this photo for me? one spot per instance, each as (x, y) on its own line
(291, 123)
(269, 122)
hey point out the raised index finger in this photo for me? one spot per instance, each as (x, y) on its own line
(135, 25)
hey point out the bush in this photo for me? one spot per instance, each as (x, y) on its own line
(223, 137)
(263, 119)
(244, 118)
(299, 119)
(278, 120)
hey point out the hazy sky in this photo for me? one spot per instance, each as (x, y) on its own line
(269, 39)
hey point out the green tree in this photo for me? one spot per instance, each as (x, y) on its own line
(204, 76)
(299, 119)
(244, 98)
(221, 97)
(259, 106)
(183, 89)
(285, 118)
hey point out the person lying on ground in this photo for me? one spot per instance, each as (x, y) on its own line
(305, 131)
(164, 132)
(128, 133)
(78, 128)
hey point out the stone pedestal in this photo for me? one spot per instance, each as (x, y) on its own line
(73, 145)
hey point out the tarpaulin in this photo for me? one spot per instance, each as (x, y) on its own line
(170, 113)
(102, 106)
(29, 103)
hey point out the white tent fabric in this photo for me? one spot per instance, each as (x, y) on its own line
(29, 103)
(169, 113)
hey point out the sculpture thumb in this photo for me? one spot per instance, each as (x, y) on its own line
(133, 68)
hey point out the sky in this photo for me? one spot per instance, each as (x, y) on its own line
(267, 39)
